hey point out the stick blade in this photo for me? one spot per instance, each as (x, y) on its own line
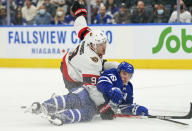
(188, 116)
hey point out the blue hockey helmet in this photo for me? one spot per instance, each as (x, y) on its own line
(126, 67)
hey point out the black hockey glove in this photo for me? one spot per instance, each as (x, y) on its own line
(79, 9)
(106, 112)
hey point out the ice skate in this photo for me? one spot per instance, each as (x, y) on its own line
(56, 120)
(38, 108)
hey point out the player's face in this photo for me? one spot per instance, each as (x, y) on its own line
(125, 77)
(101, 48)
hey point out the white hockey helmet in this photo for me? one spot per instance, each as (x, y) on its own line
(96, 37)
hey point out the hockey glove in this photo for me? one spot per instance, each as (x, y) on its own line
(140, 110)
(134, 109)
(79, 9)
(116, 95)
(106, 112)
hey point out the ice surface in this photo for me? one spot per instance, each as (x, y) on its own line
(162, 91)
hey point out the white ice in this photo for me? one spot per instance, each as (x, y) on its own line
(165, 92)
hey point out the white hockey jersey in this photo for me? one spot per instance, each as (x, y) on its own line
(82, 64)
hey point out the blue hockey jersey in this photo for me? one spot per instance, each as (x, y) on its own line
(111, 78)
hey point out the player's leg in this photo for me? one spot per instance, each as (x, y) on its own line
(75, 115)
(62, 102)
(77, 98)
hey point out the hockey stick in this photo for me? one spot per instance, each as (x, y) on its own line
(166, 118)
(147, 117)
(188, 116)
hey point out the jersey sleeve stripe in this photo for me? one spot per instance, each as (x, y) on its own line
(65, 71)
(104, 79)
(83, 32)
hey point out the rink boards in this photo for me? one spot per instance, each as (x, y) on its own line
(157, 46)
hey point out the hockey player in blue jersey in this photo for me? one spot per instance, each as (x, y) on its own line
(118, 92)
(77, 105)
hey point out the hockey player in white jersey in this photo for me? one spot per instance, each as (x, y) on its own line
(84, 64)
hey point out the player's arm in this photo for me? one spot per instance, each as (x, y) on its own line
(105, 85)
(80, 24)
(128, 96)
(113, 97)
(108, 65)
(127, 106)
